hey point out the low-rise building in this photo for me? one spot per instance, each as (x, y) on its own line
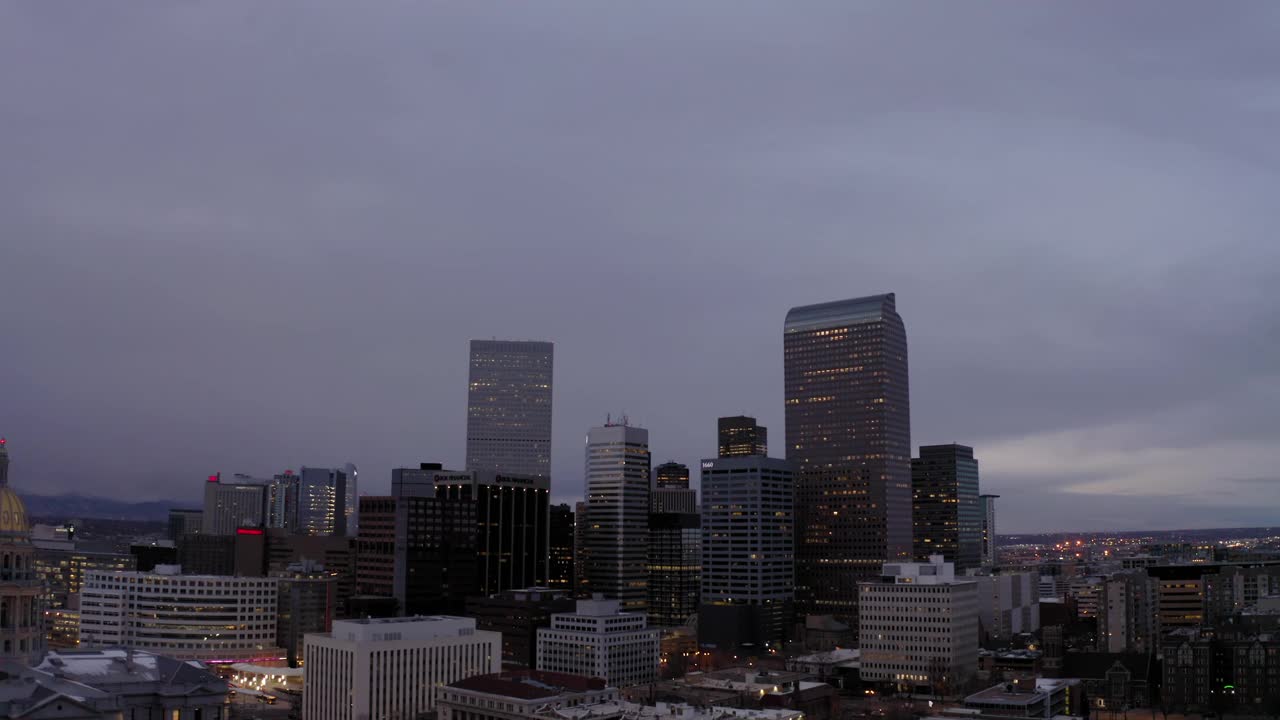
(599, 640)
(518, 615)
(1045, 698)
(519, 695)
(392, 667)
(837, 667)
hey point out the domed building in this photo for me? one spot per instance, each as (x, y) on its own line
(21, 617)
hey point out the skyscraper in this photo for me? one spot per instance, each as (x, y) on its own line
(229, 506)
(352, 503)
(740, 435)
(987, 503)
(946, 516)
(617, 513)
(509, 407)
(561, 549)
(436, 562)
(322, 499)
(675, 567)
(849, 435)
(512, 512)
(671, 492)
(672, 474)
(748, 551)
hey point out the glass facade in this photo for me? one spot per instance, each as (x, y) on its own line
(848, 432)
(509, 407)
(675, 568)
(946, 513)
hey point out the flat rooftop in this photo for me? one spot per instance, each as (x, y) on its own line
(530, 684)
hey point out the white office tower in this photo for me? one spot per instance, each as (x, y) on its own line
(616, 538)
(191, 617)
(599, 640)
(509, 407)
(1008, 604)
(392, 667)
(918, 626)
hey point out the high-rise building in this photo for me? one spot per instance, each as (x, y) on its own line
(236, 616)
(282, 501)
(229, 506)
(580, 582)
(351, 504)
(435, 545)
(740, 435)
(672, 475)
(184, 522)
(322, 497)
(919, 627)
(512, 516)
(617, 534)
(1126, 614)
(307, 603)
(987, 508)
(946, 513)
(675, 567)
(22, 632)
(600, 640)
(849, 436)
(748, 551)
(1008, 604)
(509, 407)
(561, 544)
(392, 667)
(376, 546)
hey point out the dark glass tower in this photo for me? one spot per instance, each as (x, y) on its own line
(675, 567)
(563, 529)
(946, 514)
(849, 436)
(672, 475)
(741, 436)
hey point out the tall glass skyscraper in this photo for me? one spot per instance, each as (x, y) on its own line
(616, 535)
(946, 513)
(849, 436)
(509, 407)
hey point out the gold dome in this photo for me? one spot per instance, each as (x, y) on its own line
(13, 514)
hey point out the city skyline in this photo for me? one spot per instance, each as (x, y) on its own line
(228, 265)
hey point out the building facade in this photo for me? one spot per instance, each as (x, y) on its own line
(600, 640)
(520, 695)
(307, 603)
(229, 506)
(22, 632)
(517, 615)
(1008, 604)
(848, 433)
(946, 513)
(561, 566)
(376, 546)
(748, 551)
(740, 435)
(192, 617)
(184, 522)
(990, 547)
(513, 514)
(671, 492)
(675, 567)
(1126, 614)
(322, 500)
(509, 407)
(392, 667)
(918, 627)
(616, 535)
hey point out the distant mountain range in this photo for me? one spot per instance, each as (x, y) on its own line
(75, 507)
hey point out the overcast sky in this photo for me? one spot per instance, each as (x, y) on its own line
(248, 236)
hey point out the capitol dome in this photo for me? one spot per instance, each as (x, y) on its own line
(21, 609)
(13, 516)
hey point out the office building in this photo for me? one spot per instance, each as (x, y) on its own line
(520, 695)
(111, 684)
(336, 553)
(307, 603)
(580, 582)
(229, 506)
(436, 566)
(517, 615)
(748, 552)
(1008, 604)
(509, 407)
(617, 513)
(740, 435)
(848, 433)
(184, 522)
(351, 504)
(561, 562)
(990, 547)
(322, 497)
(918, 626)
(675, 567)
(192, 617)
(600, 640)
(147, 555)
(946, 513)
(22, 633)
(392, 667)
(282, 501)
(376, 546)
(243, 553)
(1126, 614)
(671, 492)
(512, 515)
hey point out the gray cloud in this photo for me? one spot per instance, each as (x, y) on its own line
(246, 236)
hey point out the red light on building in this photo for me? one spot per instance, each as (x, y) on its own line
(213, 478)
(248, 531)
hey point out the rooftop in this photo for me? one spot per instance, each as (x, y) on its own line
(839, 313)
(530, 684)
